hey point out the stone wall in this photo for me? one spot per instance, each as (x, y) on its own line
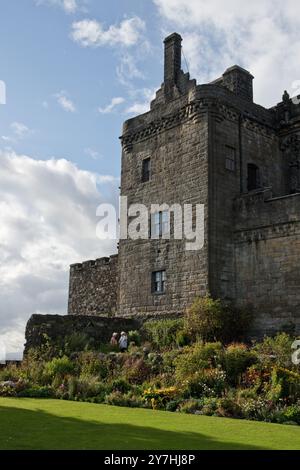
(93, 287)
(179, 175)
(42, 328)
(267, 258)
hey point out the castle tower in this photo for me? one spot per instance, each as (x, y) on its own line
(209, 145)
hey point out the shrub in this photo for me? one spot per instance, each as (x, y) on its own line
(197, 357)
(210, 406)
(228, 407)
(169, 360)
(76, 342)
(120, 385)
(10, 372)
(285, 384)
(37, 392)
(212, 320)
(87, 386)
(236, 360)
(190, 406)
(59, 367)
(173, 405)
(209, 382)
(292, 414)
(128, 400)
(136, 370)
(134, 337)
(8, 389)
(94, 364)
(258, 408)
(158, 398)
(163, 333)
(275, 351)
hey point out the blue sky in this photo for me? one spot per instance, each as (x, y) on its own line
(74, 71)
(39, 60)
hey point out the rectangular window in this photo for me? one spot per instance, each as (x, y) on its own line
(146, 167)
(160, 224)
(159, 282)
(230, 159)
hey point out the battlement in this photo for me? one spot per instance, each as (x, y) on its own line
(93, 287)
(94, 263)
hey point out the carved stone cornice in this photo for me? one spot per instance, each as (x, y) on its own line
(267, 232)
(191, 111)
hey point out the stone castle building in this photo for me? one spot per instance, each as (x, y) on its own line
(207, 144)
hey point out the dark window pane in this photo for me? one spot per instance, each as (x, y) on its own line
(253, 177)
(146, 170)
(158, 282)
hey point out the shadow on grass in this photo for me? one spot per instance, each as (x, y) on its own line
(25, 429)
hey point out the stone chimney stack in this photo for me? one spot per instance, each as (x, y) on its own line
(172, 59)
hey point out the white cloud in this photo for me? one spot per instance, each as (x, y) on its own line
(69, 6)
(138, 108)
(110, 107)
(65, 102)
(20, 130)
(128, 70)
(91, 33)
(47, 222)
(143, 98)
(92, 153)
(261, 35)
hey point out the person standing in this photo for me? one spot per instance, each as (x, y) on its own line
(123, 342)
(114, 339)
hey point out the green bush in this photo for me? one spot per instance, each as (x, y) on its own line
(120, 385)
(237, 359)
(134, 337)
(37, 392)
(76, 342)
(87, 386)
(197, 357)
(163, 333)
(212, 320)
(59, 367)
(136, 370)
(92, 363)
(275, 351)
(128, 400)
(7, 390)
(292, 414)
(208, 382)
(228, 407)
(190, 406)
(10, 372)
(285, 384)
(210, 406)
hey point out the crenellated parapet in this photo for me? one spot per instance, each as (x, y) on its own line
(93, 287)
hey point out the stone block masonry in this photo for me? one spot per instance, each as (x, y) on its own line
(53, 328)
(208, 144)
(93, 287)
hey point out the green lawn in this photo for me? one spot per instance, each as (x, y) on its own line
(55, 424)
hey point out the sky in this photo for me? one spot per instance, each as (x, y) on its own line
(74, 71)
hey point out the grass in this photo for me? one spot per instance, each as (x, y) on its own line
(55, 424)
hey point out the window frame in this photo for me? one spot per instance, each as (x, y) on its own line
(230, 159)
(255, 176)
(160, 224)
(158, 279)
(146, 170)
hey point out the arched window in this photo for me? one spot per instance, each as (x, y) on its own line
(253, 181)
